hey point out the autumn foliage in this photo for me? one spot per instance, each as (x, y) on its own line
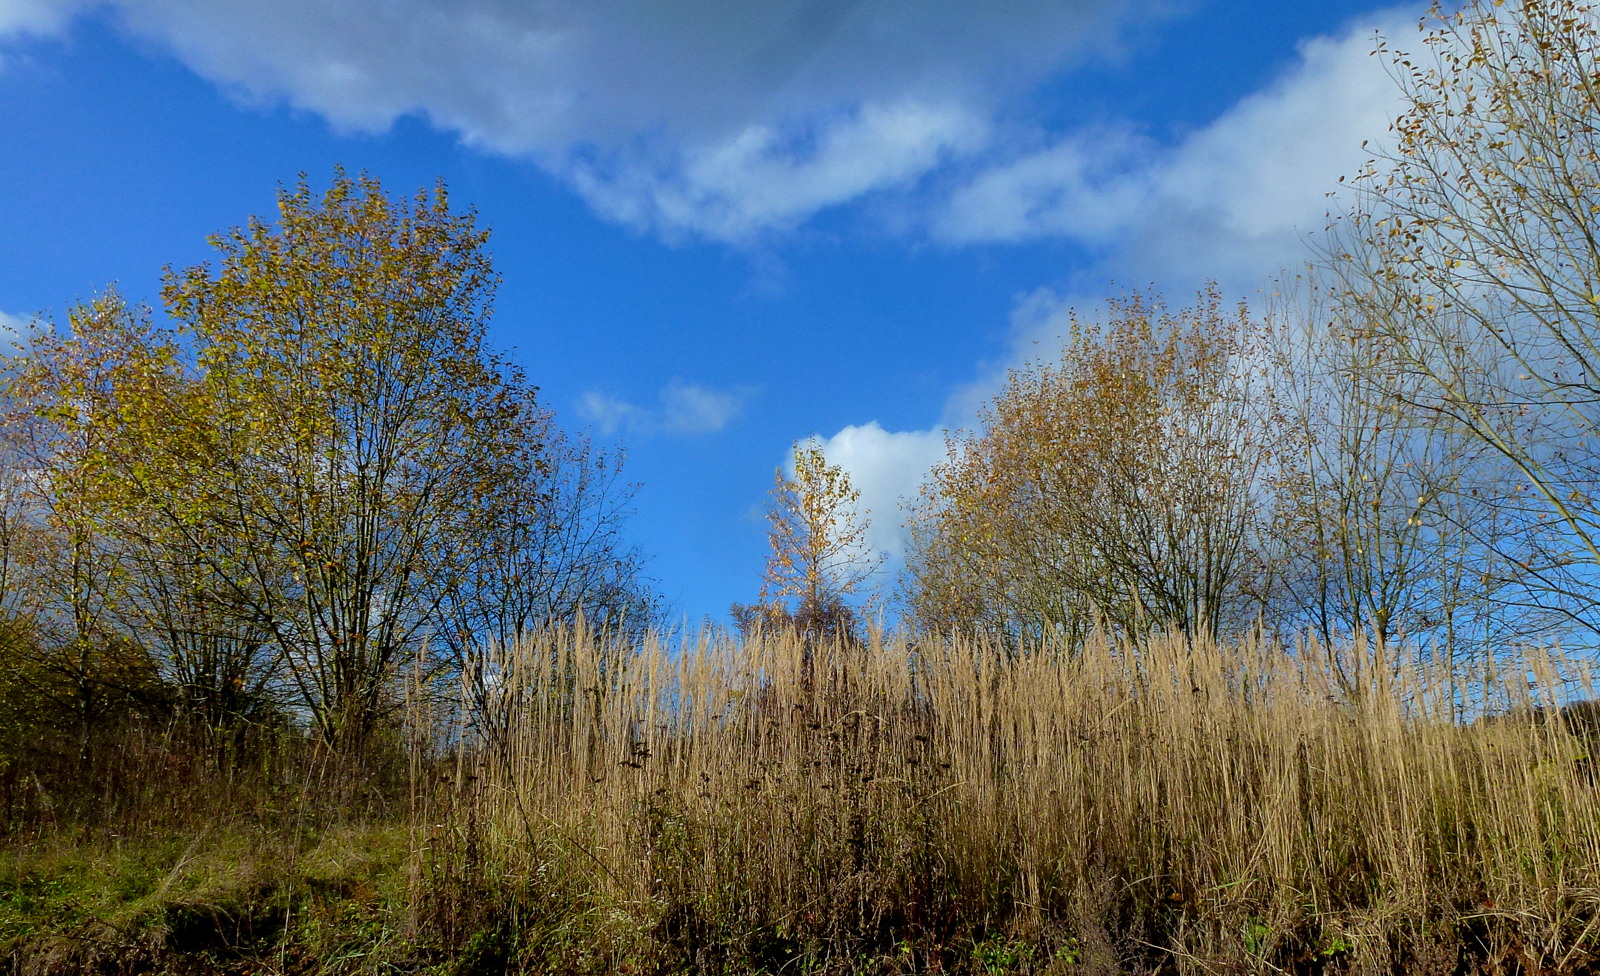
(316, 478)
(1118, 487)
(818, 553)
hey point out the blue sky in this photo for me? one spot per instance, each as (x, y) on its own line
(722, 226)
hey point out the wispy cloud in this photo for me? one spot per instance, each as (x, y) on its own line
(36, 17)
(766, 177)
(1235, 199)
(690, 409)
(609, 414)
(31, 19)
(680, 408)
(678, 116)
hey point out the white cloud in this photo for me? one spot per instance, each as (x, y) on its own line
(731, 120)
(1078, 187)
(888, 468)
(700, 116)
(1234, 200)
(681, 408)
(609, 414)
(761, 178)
(690, 409)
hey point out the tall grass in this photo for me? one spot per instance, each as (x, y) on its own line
(1185, 806)
(709, 805)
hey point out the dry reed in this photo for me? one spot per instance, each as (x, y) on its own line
(1187, 807)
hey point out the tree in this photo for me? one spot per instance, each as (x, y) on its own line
(359, 420)
(65, 640)
(129, 439)
(549, 552)
(319, 473)
(1369, 495)
(1473, 253)
(1118, 487)
(818, 555)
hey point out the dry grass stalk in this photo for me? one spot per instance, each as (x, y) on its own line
(1212, 804)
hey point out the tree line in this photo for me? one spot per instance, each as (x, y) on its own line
(1397, 446)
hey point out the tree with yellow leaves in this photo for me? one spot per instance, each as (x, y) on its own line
(819, 553)
(1119, 487)
(320, 471)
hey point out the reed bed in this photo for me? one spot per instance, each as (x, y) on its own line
(1179, 806)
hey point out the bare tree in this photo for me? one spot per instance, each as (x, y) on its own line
(1473, 255)
(550, 553)
(1379, 508)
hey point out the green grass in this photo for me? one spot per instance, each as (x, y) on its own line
(218, 896)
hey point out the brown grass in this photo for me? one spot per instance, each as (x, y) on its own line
(712, 806)
(1184, 807)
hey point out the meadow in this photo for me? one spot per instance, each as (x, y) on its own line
(707, 804)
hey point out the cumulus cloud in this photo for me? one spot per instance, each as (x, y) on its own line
(888, 468)
(1234, 200)
(762, 178)
(698, 116)
(680, 408)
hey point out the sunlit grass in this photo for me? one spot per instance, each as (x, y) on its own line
(890, 807)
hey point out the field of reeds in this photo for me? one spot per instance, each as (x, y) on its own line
(708, 805)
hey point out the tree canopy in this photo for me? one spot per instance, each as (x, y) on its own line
(1116, 487)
